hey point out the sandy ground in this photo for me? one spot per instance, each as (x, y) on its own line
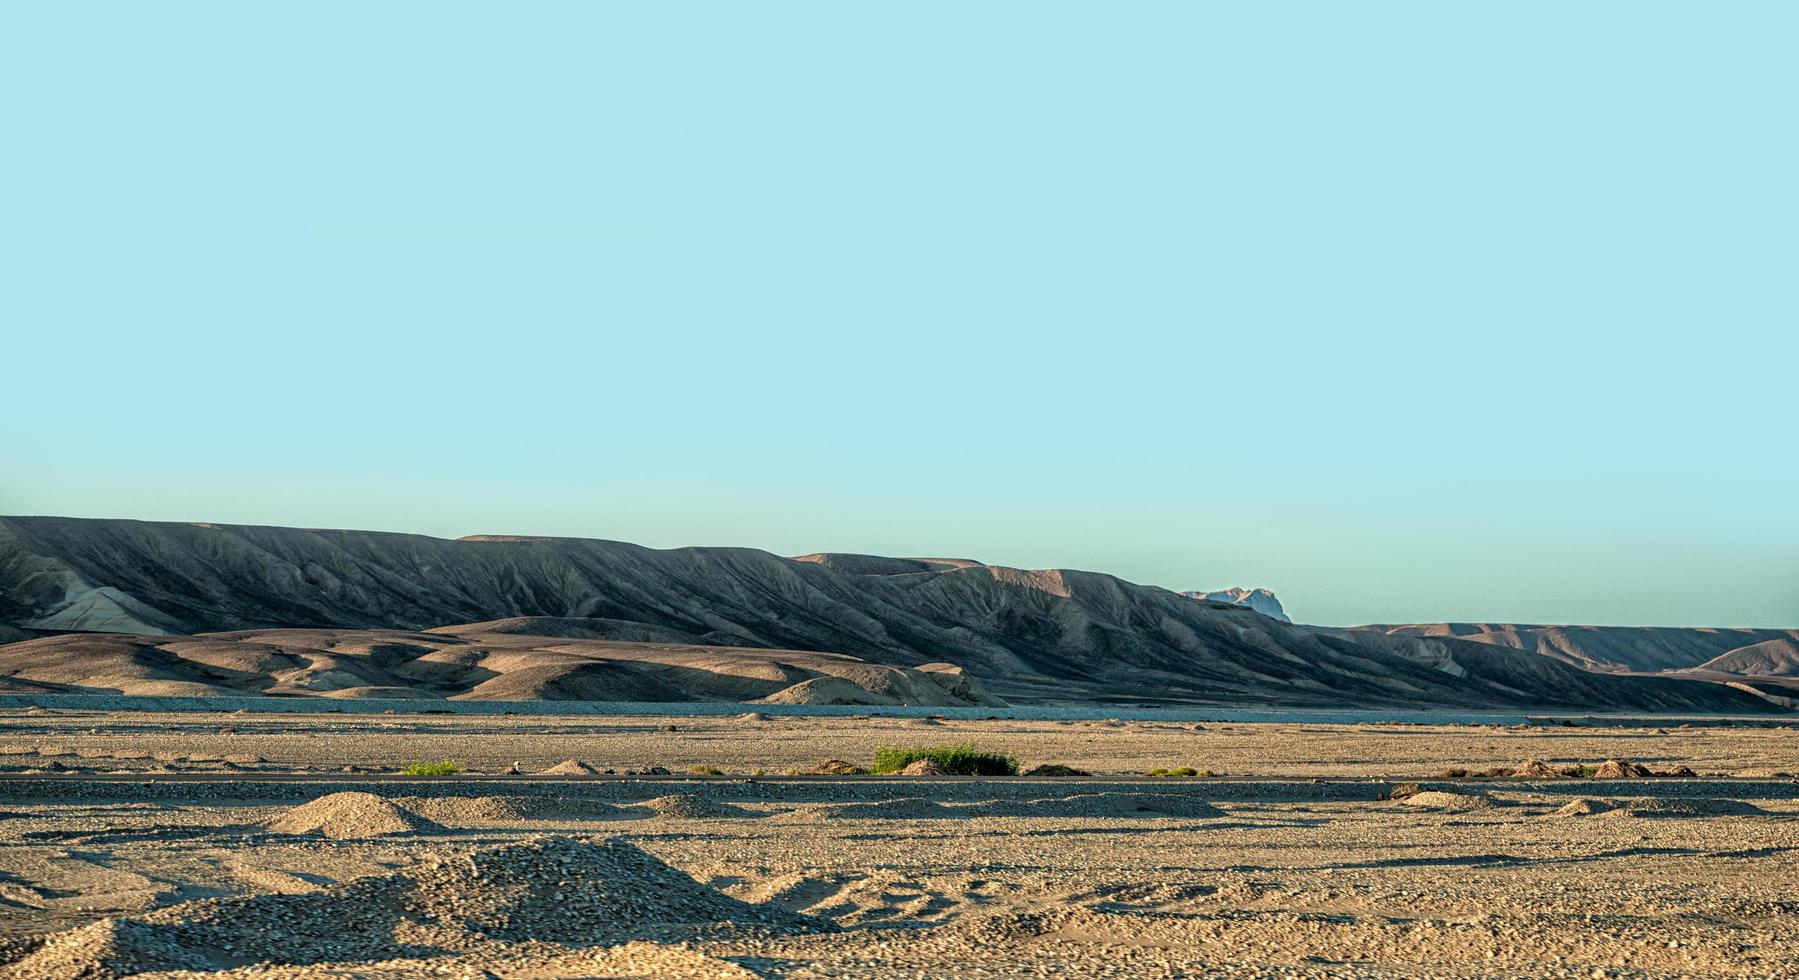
(202, 843)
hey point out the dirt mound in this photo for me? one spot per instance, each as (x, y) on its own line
(1583, 807)
(350, 816)
(1536, 769)
(1053, 769)
(685, 806)
(902, 809)
(553, 889)
(506, 810)
(1436, 799)
(1621, 769)
(457, 810)
(106, 949)
(923, 767)
(570, 767)
(470, 809)
(753, 716)
(1653, 807)
(834, 767)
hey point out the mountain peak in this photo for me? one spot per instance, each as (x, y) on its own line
(1261, 600)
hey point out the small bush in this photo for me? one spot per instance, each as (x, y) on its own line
(705, 771)
(963, 759)
(444, 768)
(1184, 771)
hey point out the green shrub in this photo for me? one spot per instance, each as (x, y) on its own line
(963, 759)
(1184, 771)
(698, 770)
(444, 768)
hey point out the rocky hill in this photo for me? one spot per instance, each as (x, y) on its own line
(1027, 635)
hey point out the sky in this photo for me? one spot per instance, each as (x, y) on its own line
(1406, 311)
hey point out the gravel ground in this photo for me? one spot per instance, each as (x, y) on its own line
(288, 867)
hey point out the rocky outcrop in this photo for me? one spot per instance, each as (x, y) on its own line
(1261, 600)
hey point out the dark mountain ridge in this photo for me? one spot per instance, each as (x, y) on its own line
(1051, 634)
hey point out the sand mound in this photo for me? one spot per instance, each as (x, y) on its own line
(752, 716)
(570, 767)
(684, 806)
(350, 816)
(553, 889)
(1439, 800)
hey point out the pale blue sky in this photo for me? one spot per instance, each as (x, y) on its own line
(1407, 311)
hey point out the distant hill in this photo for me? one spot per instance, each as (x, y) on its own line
(1261, 600)
(1043, 635)
(1643, 649)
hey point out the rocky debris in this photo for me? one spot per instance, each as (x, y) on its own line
(923, 767)
(550, 890)
(106, 949)
(1054, 769)
(1441, 800)
(1621, 769)
(1404, 791)
(351, 816)
(570, 767)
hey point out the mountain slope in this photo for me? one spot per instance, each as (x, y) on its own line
(1642, 649)
(1047, 634)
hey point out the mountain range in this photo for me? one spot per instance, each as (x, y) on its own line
(117, 606)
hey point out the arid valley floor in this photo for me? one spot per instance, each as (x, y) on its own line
(141, 844)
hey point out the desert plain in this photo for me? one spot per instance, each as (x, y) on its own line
(578, 846)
